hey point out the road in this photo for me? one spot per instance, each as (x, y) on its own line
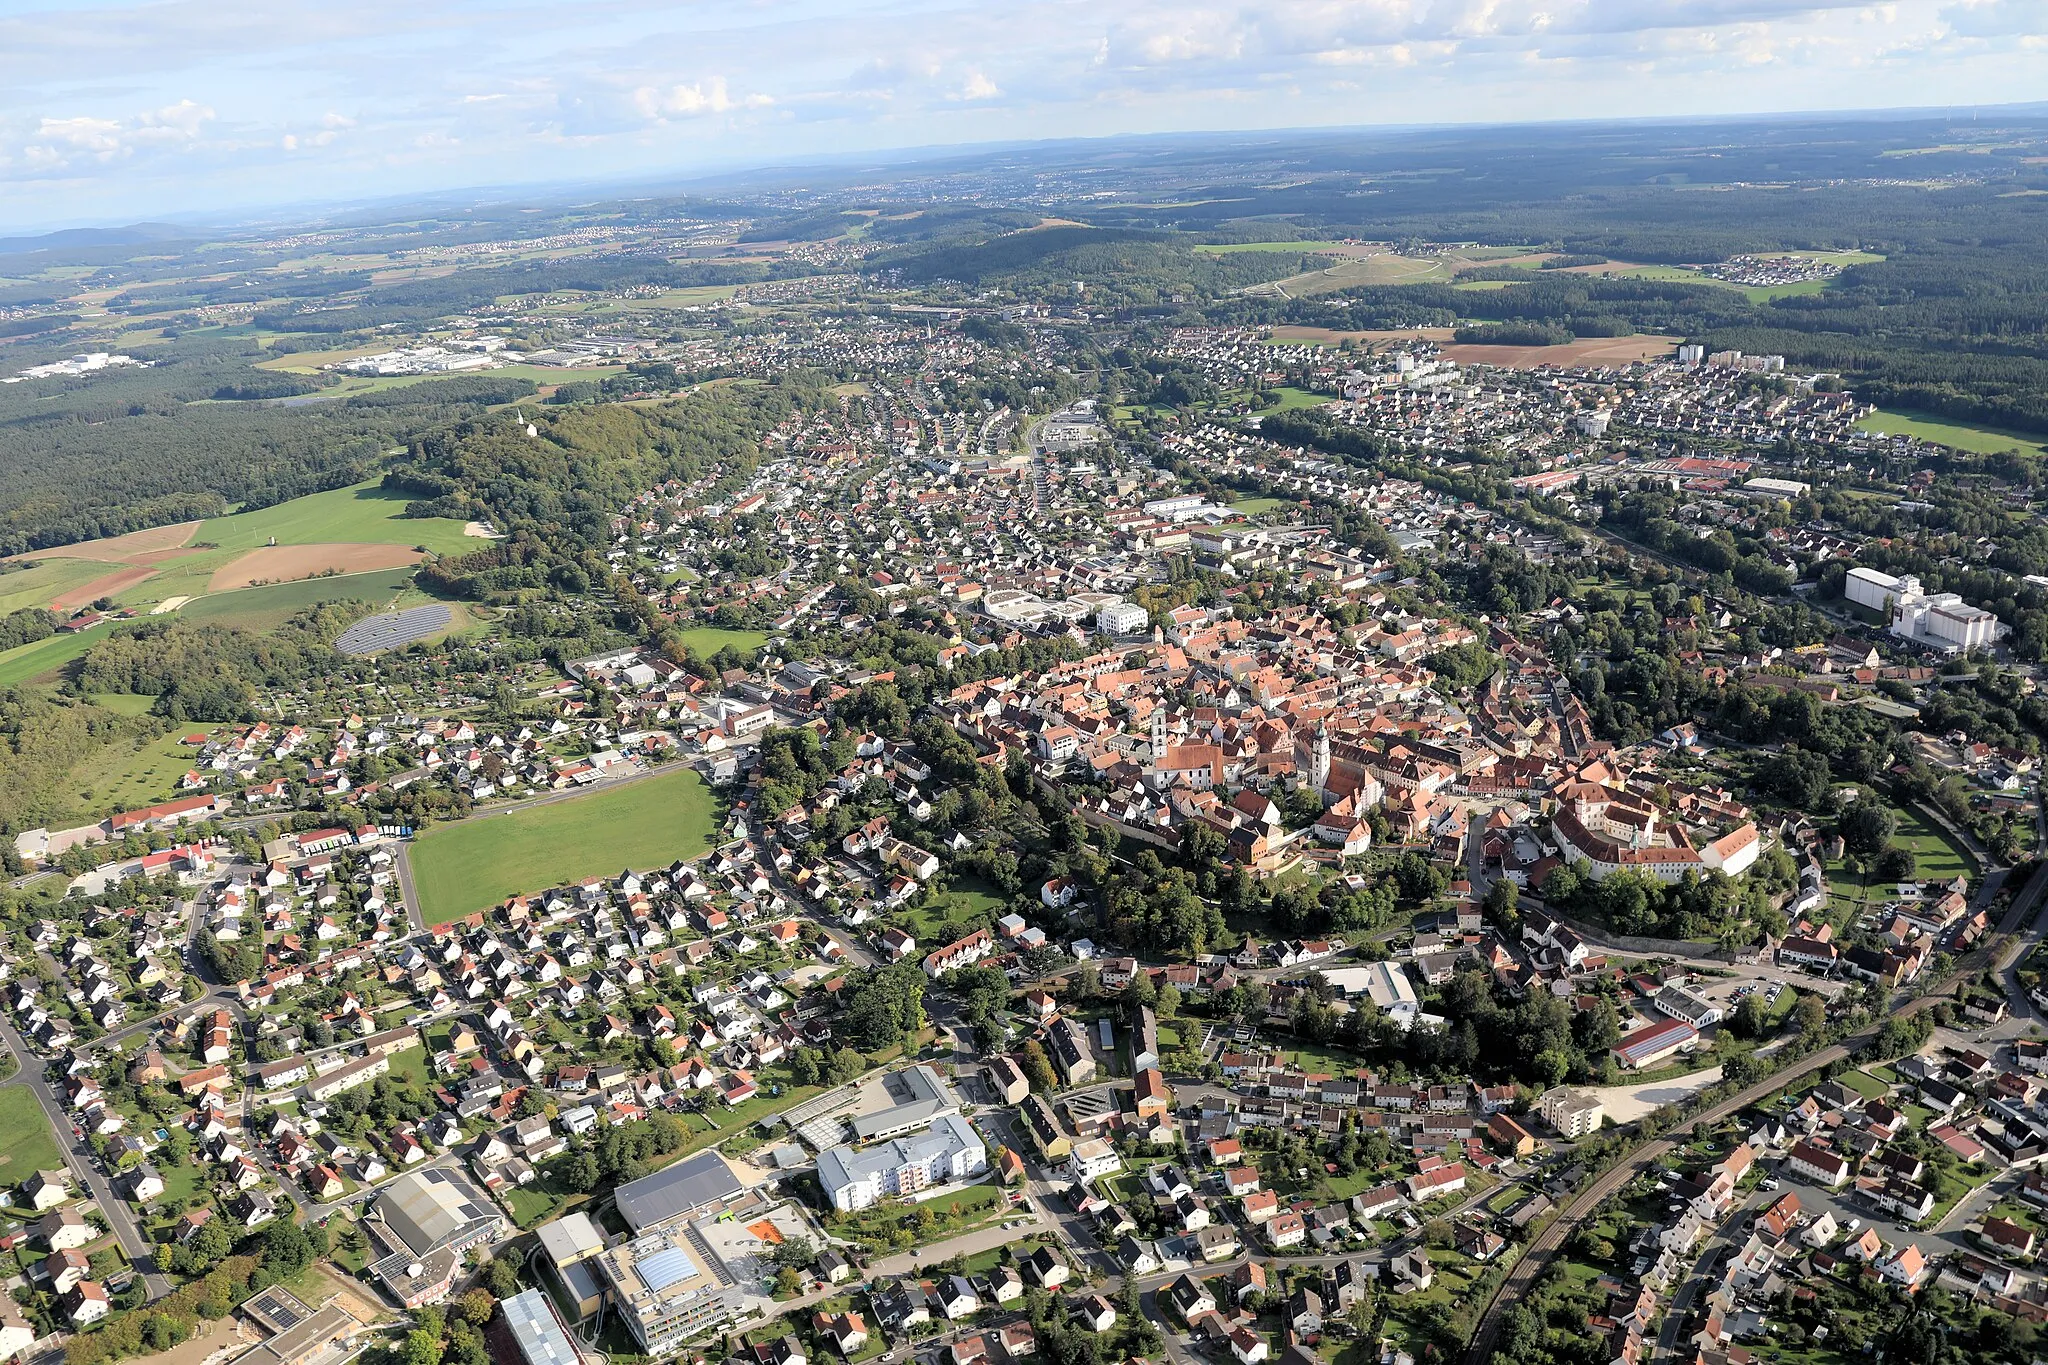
(78, 1156)
(1521, 1280)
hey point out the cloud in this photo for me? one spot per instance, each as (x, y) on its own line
(60, 144)
(699, 100)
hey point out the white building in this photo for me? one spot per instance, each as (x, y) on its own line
(1940, 620)
(949, 1150)
(1573, 1113)
(1091, 1159)
(1121, 618)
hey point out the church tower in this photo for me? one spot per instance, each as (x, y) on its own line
(1319, 764)
(1158, 735)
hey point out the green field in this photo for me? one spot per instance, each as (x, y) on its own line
(1292, 398)
(1938, 860)
(1252, 507)
(705, 641)
(122, 703)
(934, 921)
(124, 776)
(36, 585)
(476, 863)
(1969, 436)
(20, 664)
(26, 1142)
(363, 514)
(267, 607)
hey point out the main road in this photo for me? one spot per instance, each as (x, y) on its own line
(1543, 1248)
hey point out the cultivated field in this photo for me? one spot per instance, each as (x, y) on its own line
(287, 563)
(474, 864)
(345, 531)
(268, 607)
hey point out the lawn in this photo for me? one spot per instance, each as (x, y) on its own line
(704, 641)
(1869, 1087)
(1293, 398)
(269, 606)
(1937, 858)
(476, 863)
(963, 899)
(122, 703)
(26, 1142)
(951, 1214)
(1970, 436)
(24, 662)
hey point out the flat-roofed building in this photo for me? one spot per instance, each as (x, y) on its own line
(540, 1336)
(661, 1292)
(684, 1190)
(919, 1095)
(571, 1244)
(854, 1179)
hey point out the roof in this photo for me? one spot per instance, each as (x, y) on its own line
(685, 1187)
(571, 1238)
(536, 1330)
(427, 1209)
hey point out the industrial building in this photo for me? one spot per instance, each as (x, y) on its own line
(920, 1096)
(572, 1243)
(690, 1187)
(537, 1333)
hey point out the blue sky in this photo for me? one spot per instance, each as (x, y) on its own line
(123, 109)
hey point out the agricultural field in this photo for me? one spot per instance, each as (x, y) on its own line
(346, 530)
(1968, 436)
(476, 863)
(27, 662)
(1233, 248)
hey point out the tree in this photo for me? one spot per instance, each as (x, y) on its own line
(476, 1306)
(501, 1277)
(1811, 1014)
(1038, 1070)
(1866, 827)
(1750, 1019)
(1894, 864)
(422, 1347)
(1168, 1005)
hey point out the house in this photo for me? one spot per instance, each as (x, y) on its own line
(1190, 1298)
(1817, 1164)
(1509, 1136)
(64, 1230)
(46, 1189)
(1094, 1311)
(85, 1303)
(848, 1332)
(1248, 1346)
(2006, 1237)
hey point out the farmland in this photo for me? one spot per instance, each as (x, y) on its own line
(267, 607)
(472, 864)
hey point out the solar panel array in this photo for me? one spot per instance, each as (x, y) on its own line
(394, 629)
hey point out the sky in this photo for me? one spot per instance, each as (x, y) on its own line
(117, 110)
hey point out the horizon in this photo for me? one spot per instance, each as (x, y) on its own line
(169, 111)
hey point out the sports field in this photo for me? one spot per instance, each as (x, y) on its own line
(1979, 440)
(474, 864)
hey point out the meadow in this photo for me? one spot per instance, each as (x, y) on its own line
(472, 864)
(268, 607)
(705, 641)
(26, 1143)
(1969, 436)
(25, 662)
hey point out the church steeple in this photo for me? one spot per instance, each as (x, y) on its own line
(1319, 763)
